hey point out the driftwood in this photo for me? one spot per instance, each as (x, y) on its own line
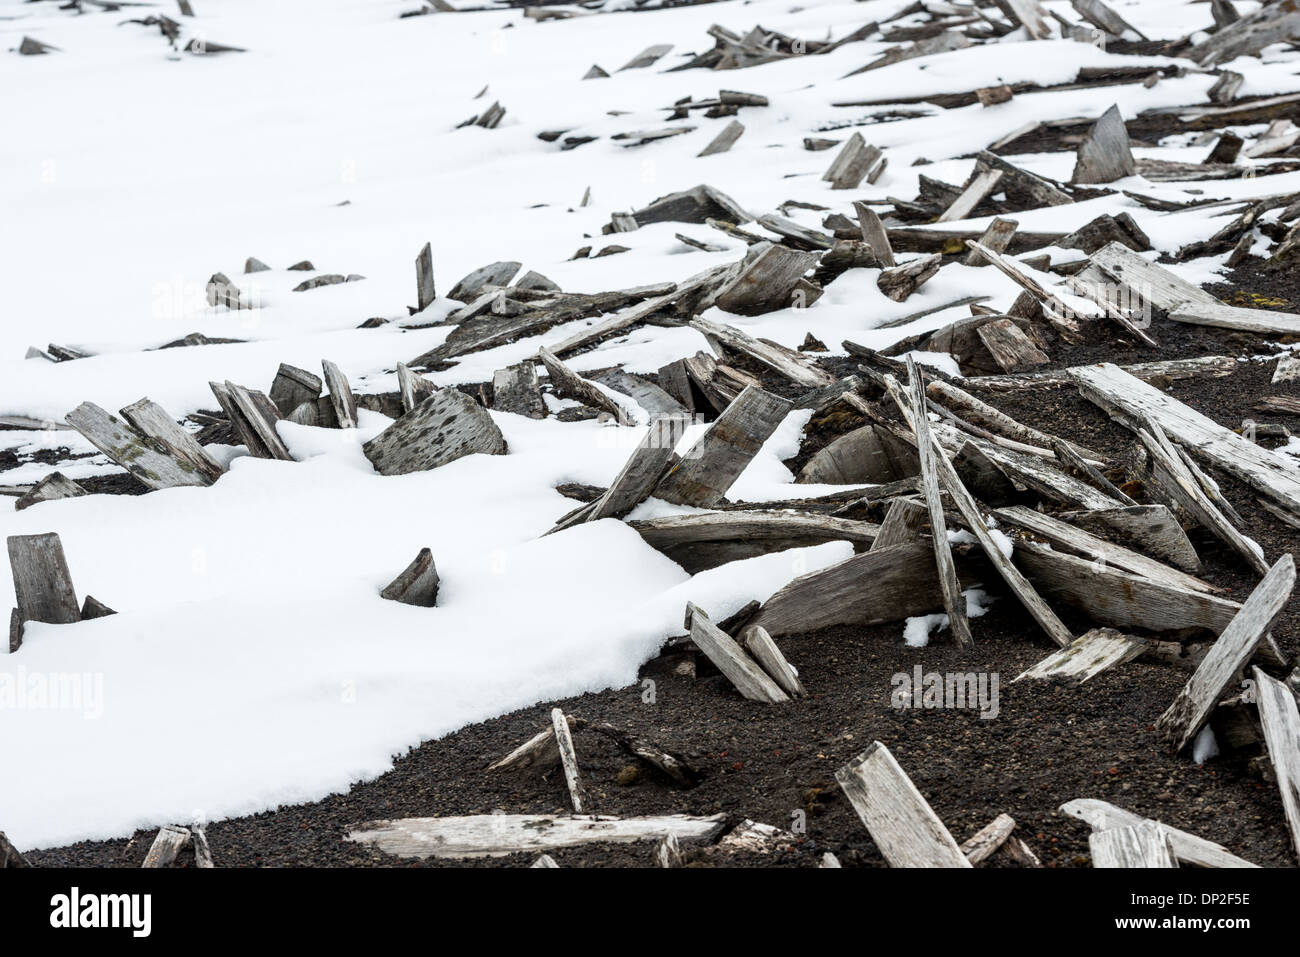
(1187, 848)
(496, 835)
(52, 487)
(1281, 723)
(988, 839)
(1146, 281)
(1271, 23)
(1105, 155)
(706, 540)
(292, 387)
(1143, 845)
(732, 660)
(1159, 371)
(787, 362)
(1088, 656)
(252, 416)
(42, 583)
(151, 462)
(764, 651)
(417, 584)
(708, 470)
(901, 823)
(516, 389)
(1262, 321)
(1191, 708)
(444, 427)
(1147, 528)
(568, 759)
(170, 841)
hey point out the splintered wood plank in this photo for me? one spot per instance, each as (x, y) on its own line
(568, 759)
(417, 584)
(52, 487)
(1233, 317)
(787, 362)
(1011, 349)
(569, 385)
(765, 651)
(1187, 848)
(425, 293)
(496, 835)
(706, 540)
(1148, 528)
(724, 140)
(1146, 281)
(516, 389)
(902, 523)
(1226, 658)
(1128, 399)
(413, 387)
(151, 420)
(1088, 656)
(888, 584)
(1271, 23)
(202, 852)
(171, 840)
(132, 450)
(653, 399)
(766, 280)
(996, 237)
(988, 839)
(444, 427)
(292, 387)
(1104, 18)
(341, 397)
(716, 460)
(732, 660)
(1105, 154)
(900, 282)
(1141, 845)
(639, 476)
(874, 233)
(42, 583)
(953, 599)
(1281, 723)
(1079, 542)
(982, 184)
(900, 821)
(255, 420)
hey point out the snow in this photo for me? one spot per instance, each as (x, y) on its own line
(252, 662)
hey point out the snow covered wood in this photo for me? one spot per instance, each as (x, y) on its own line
(789, 363)
(417, 584)
(901, 823)
(152, 421)
(516, 389)
(1105, 155)
(444, 427)
(153, 464)
(42, 583)
(341, 397)
(292, 387)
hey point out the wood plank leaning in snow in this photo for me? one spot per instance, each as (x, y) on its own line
(1191, 708)
(152, 421)
(413, 387)
(901, 823)
(52, 487)
(1141, 845)
(789, 363)
(417, 584)
(1104, 155)
(496, 835)
(1281, 723)
(42, 583)
(152, 463)
(444, 427)
(292, 387)
(567, 384)
(1187, 848)
(1128, 399)
(341, 397)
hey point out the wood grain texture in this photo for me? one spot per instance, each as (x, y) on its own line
(444, 427)
(1280, 720)
(568, 759)
(1187, 848)
(151, 463)
(732, 660)
(42, 583)
(1140, 845)
(168, 843)
(417, 584)
(764, 650)
(1088, 656)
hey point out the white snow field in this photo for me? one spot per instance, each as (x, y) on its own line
(252, 662)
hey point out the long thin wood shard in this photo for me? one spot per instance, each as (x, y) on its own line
(253, 416)
(988, 839)
(732, 660)
(341, 397)
(793, 365)
(900, 821)
(417, 584)
(1280, 720)
(764, 650)
(444, 427)
(425, 292)
(568, 759)
(713, 464)
(1187, 848)
(413, 387)
(1229, 654)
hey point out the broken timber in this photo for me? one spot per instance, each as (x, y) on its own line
(1142, 845)
(1187, 848)
(148, 458)
(417, 584)
(42, 583)
(732, 660)
(1281, 723)
(1088, 656)
(444, 427)
(568, 758)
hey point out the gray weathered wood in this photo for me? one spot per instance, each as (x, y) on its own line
(1105, 18)
(496, 835)
(1234, 317)
(161, 430)
(170, 841)
(444, 427)
(516, 389)
(902, 523)
(1128, 399)
(1011, 349)
(766, 280)
(1147, 528)
(638, 477)
(1280, 721)
(1023, 185)
(1187, 848)
(982, 184)
(417, 584)
(1105, 154)
(15, 630)
(865, 455)
(901, 823)
(764, 650)
(568, 759)
(988, 839)
(996, 237)
(412, 387)
(568, 384)
(1146, 281)
(292, 387)
(854, 162)
(42, 583)
(646, 57)
(708, 539)
(1191, 708)
(793, 365)
(54, 486)
(425, 293)
(732, 660)
(341, 397)
(724, 140)
(544, 860)
(1035, 473)
(715, 461)
(1088, 656)
(917, 414)
(1271, 23)
(668, 853)
(9, 855)
(202, 852)
(255, 416)
(151, 463)
(900, 282)
(874, 234)
(651, 398)
(1143, 845)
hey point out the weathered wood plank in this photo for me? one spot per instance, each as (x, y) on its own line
(706, 540)
(202, 852)
(496, 835)
(425, 293)
(254, 417)
(9, 855)
(1104, 18)
(732, 660)
(1187, 848)
(152, 421)
(1146, 281)
(568, 759)
(724, 140)
(150, 463)
(901, 823)
(52, 487)
(1191, 708)
(874, 233)
(765, 280)
(42, 583)
(569, 385)
(902, 523)
(716, 460)
(170, 841)
(764, 650)
(1143, 845)
(516, 389)
(1233, 317)
(1105, 154)
(1281, 723)
(988, 839)
(341, 397)
(787, 362)
(1011, 349)
(1271, 23)
(1087, 656)
(292, 387)
(444, 427)
(1148, 528)
(417, 584)
(981, 185)
(413, 387)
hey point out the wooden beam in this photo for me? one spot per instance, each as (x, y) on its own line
(1148, 528)
(1087, 656)
(764, 650)
(901, 823)
(1191, 708)
(1281, 723)
(1187, 848)
(732, 660)
(1143, 845)
(1222, 316)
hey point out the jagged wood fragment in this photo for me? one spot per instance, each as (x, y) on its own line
(54, 486)
(1088, 656)
(444, 427)
(1188, 848)
(417, 584)
(1281, 724)
(42, 583)
(732, 660)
